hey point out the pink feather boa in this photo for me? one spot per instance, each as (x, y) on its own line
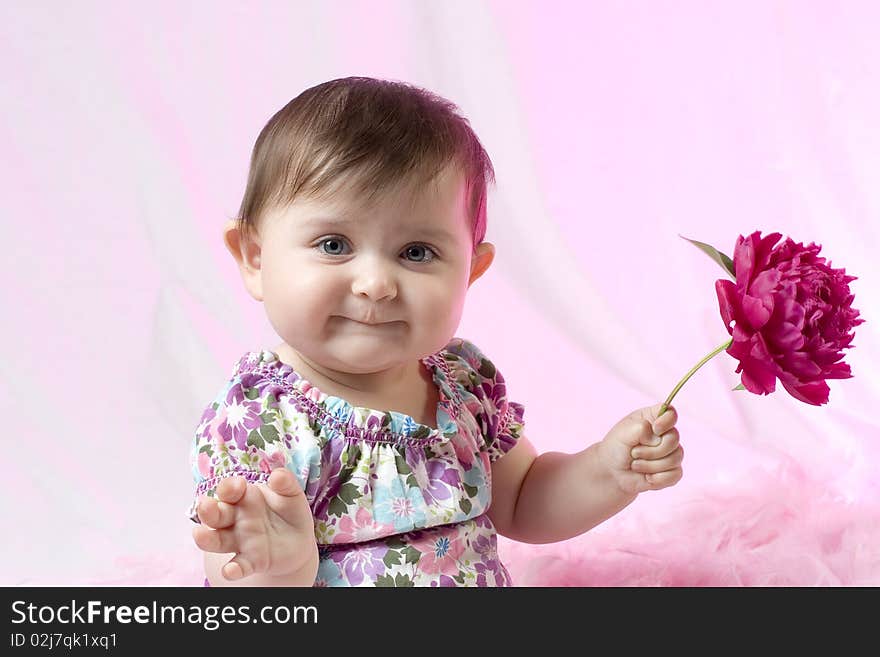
(772, 528)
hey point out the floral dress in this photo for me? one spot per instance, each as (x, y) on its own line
(395, 502)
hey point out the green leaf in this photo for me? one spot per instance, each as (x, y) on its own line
(251, 393)
(403, 580)
(391, 558)
(740, 387)
(337, 507)
(255, 439)
(384, 580)
(470, 490)
(401, 464)
(412, 555)
(465, 505)
(348, 493)
(716, 255)
(350, 458)
(487, 369)
(270, 433)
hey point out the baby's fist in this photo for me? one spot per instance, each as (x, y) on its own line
(643, 452)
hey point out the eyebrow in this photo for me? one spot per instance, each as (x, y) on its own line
(342, 220)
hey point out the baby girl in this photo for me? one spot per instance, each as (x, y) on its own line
(372, 447)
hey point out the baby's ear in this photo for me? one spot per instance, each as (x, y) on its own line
(247, 254)
(483, 256)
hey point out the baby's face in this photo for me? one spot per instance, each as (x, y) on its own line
(384, 286)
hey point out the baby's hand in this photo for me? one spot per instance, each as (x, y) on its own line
(642, 451)
(269, 527)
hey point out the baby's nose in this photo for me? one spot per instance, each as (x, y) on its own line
(375, 281)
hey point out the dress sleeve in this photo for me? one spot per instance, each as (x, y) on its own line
(246, 432)
(500, 419)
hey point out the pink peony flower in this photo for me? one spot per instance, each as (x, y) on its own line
(790, 314)
(793, 317)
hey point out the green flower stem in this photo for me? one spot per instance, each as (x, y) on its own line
(691, 373)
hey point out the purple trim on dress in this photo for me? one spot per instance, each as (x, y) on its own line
(315, 412)
(249, 475)
(270, 371)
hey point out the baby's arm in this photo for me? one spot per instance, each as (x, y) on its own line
(555, 496)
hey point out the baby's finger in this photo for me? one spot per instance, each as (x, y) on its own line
(215, 540)
(231, 489)
(648, 437)
(659, 446)
(663, 479)
(285, 497)
(284, 483)
(215, 514)
(665, 422)
(244, 497)
(655, 466)
(237, 567)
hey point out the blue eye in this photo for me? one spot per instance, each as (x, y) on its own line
(419, 252)
(331, 240)
(421, 247)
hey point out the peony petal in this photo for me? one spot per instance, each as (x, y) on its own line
(787, 337)
(761, 352)
(755, 311)
(752, 254)
(800, 365)
(792, 311)
(815, 393)
(765, 283)
(743, 334)
(744, 258)
(739, 350)
(728, 301)
(757, 377)
(764, 249)
(741, 345)
(838, 371)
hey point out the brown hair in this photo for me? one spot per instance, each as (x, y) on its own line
(382, 132)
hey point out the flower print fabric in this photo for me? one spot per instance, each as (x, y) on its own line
(395, 502)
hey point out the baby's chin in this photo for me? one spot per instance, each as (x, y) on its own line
(364, 361)
(360, 354)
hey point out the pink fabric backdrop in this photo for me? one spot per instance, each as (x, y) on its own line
(613, 128)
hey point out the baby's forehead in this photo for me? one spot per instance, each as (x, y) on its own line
(347, 199)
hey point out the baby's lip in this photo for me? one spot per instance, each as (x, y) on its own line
(370, 323)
